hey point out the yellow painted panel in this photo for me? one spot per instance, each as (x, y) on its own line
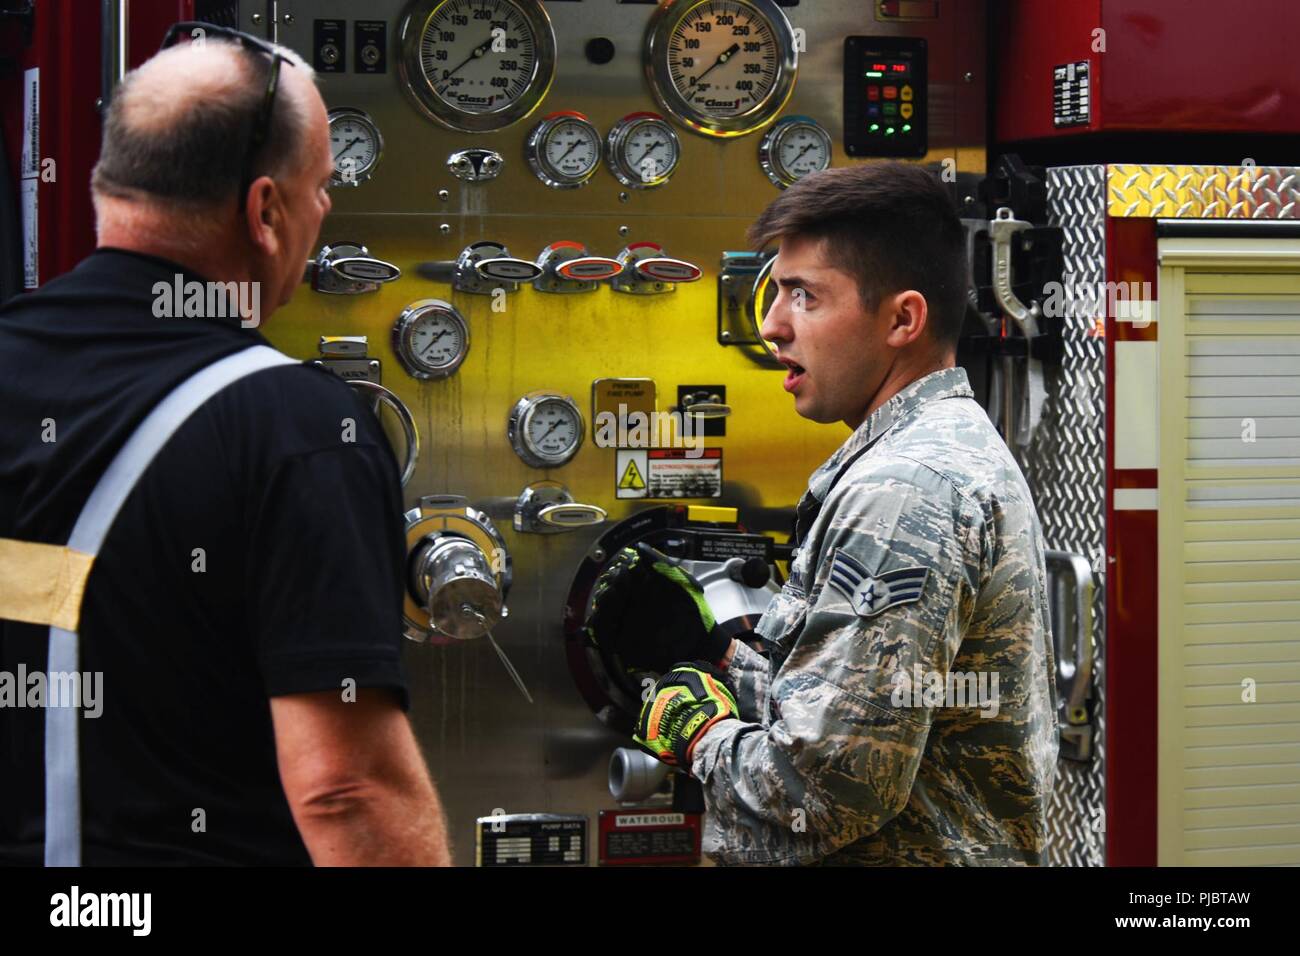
(1208, 572)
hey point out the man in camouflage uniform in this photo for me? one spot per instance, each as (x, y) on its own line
(906, 711)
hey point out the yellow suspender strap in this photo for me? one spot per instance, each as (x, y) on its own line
(42, 583)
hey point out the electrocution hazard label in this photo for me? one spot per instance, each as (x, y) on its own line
(668, 473)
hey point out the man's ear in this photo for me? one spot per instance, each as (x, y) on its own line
(264, 209)
(908, 315)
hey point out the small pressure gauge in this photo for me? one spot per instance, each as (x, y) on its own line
(431, 339)
(793, 148)
(545, 429)
(643, 150)
(356, 145)
(563, 150)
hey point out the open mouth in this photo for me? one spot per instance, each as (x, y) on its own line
(794, 375)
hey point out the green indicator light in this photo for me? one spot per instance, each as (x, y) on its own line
(889, 131)
(875, 73)
(874, 127)
(907, 127)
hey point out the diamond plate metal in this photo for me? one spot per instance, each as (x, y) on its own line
(1066, 468)
(1203, 192)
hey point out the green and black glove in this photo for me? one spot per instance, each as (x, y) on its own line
(652, 614)
(687, 701)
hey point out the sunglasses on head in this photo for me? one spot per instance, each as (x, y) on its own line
(197, 31)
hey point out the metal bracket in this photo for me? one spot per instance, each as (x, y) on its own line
(476, 164)
(1002, 227)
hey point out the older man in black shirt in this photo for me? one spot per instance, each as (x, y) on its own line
(244, 607)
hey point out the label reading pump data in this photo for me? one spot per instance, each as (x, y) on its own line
(532, 840)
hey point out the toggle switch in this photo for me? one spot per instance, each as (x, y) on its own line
(348, 268)
(482, 268)
(647, 271)
(567, 267)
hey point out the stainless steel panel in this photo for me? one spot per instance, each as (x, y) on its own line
(488, 748)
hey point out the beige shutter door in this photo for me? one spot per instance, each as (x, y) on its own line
(1229, 602)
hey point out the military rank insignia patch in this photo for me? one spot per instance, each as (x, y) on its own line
(870, 594)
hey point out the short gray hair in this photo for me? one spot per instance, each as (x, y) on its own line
(198, 160)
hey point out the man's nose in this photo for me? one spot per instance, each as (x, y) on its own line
(776, 324)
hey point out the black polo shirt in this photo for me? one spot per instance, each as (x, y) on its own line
(260, 555)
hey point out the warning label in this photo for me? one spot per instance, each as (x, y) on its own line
(668, 473)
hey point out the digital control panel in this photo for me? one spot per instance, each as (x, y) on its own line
(885, 109)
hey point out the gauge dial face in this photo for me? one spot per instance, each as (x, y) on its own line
(644, 150)
(546, 429)
(564, 150)
(723, 58)
(355, 144)
(724, 67)
(431, 339)
(794, 148)
(477, 64)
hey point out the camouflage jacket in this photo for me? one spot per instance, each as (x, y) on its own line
(907, 714)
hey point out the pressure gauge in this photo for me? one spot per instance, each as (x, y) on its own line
(793, 148)
(722, 67)
(477, 65)
(563, 150)
(355, 144)
(431, 339)
(545, 429)
(643, 150)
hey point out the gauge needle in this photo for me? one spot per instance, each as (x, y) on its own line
(477, 52)
(569, 150)
(429, 347)
(723, 57)
(802, 151)
(649, 149)
(554, 425)
(339, 154)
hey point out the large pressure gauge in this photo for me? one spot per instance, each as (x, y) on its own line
(793, 148)
(643, 150)
(477, 65)
(722, 67)
(545, 429)
(431, 339)
(355, 144)
(563, 150)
